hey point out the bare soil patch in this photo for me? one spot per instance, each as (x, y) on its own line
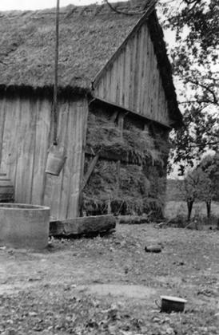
(107, 285)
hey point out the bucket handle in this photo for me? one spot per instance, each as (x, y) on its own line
(60, 146)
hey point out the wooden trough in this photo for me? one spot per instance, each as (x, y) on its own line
(83, 226)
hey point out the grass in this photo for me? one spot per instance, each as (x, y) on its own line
(49, 293)
(174, 208)
(176, 214)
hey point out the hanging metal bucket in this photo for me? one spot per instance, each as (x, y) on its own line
(55, 160)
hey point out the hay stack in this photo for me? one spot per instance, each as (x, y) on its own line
(137, 149)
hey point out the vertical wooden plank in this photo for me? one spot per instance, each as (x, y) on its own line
(56, 189)
(8, 156)
(140, 72)
(132, 74)
(122, 75)
(2, 125)
(143, 69)
(85, 115)
(107, 79)
(30, 159)
(160, 111)
(146, 69)
(72, 139)
(136, 71)
(42, 109)
(150, 79)
(118, 78)
(66, 140)
(123, 93)
(76, 120)
(100, 90)
(48, 178)
(105, 92)
(25, 158)
(75, 179)
(14, 144)
(127, 74)
(113, 74)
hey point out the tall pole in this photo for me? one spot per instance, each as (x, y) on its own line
(55, 92)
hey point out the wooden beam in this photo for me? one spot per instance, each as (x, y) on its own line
(86, 226)
(110, 156)
(127, 111)
(89, 171)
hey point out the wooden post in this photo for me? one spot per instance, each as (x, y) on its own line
(55, 92)
(89, 171)
(120, 126)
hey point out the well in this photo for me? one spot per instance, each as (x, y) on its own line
(24, 226)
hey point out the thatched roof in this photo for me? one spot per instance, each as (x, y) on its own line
(89, 36)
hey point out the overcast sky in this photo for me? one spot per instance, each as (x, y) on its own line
(38, 4)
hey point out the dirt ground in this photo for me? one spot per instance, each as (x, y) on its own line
(108, 285)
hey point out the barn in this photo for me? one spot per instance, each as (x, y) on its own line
(116, 107)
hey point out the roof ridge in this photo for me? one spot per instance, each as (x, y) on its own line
(70, 9)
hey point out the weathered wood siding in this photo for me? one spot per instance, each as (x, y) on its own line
(132, 79)
(25, 136)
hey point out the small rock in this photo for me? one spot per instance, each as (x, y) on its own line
(32, 314)
(123, 243)
(67, 288)
(153, 248)
(34, 279)
(126, 270)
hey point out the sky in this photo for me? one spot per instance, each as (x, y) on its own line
(38, 4)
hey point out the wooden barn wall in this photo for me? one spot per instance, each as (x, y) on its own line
(133, 80)
(25, 136)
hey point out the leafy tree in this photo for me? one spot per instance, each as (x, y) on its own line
(195, 57)
(210, 190)
(206, 189)
(189, 190)
(201, 184)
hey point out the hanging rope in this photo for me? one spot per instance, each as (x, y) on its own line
(55, 92)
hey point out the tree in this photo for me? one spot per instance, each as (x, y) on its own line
(189, 190)
(195, 56)
(201, 184)
(209, 167)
